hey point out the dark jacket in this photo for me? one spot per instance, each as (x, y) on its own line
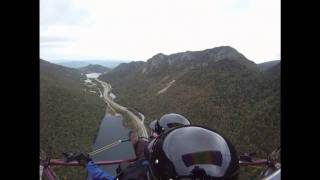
(139, 148)
(135, 171)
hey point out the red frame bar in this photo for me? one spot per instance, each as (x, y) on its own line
(48, 173)
(61, 162)
(254, 163)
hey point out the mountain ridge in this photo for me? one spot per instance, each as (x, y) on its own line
(213, 88)
(267, 65)
(78, 64)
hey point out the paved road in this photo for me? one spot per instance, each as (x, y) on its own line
(138, 122)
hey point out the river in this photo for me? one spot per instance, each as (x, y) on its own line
(112, 128)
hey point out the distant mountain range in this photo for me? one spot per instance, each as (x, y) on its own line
(94, 68)
(218, 88)
(78, 64)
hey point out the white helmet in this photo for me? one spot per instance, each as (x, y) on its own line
(192, 152)
(169, 121)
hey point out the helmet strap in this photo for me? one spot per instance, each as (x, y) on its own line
(158, 128)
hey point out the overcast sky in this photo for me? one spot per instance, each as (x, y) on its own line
(139, 29)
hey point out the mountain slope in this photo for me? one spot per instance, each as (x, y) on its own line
(69, 117)
(218, 88)
(267, 65)
(94, 68)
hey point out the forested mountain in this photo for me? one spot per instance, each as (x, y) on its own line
(218, 88)
(69, 116)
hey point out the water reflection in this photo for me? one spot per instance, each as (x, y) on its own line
(112, 129)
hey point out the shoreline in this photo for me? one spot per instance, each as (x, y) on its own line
(138, 123)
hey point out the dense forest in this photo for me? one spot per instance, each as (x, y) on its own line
(69, 116)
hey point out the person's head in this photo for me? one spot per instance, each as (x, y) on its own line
(169, 121)
(133, 136)
(192, 152)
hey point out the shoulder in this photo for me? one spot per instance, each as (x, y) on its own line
(142, 142)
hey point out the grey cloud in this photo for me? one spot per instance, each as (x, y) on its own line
(46, 45)
(60, 12)
(49, 39)
(54, 42)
